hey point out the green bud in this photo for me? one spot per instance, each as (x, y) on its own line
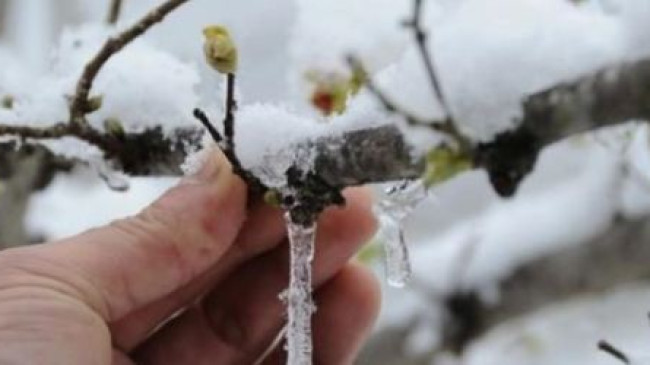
(443, 163)
(94, 103)
(220, 49)
(273, 198)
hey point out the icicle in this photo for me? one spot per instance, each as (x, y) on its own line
(400, 201)
(298, 297)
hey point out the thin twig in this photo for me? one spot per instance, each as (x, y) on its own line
(144, 153)
(231, 107)
(79, 103)
(389, 105)
(114, 12)
(227, 142)
(610, 349)
(60, 130)
(446, 127)
(203, 118)
(420, 35)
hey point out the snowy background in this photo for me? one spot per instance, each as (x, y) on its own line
(489, 54)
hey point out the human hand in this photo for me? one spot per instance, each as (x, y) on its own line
(192, 279)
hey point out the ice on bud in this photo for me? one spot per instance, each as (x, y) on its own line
(115, 180)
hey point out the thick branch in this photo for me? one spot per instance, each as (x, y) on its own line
(79, 104)
(609, 97)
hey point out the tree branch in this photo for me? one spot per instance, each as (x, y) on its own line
(146, 153)
(609, 97)
(79, 104)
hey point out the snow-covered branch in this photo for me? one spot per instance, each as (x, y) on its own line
(611, 96)
(79, 105)
(619, 256)
(608, 97)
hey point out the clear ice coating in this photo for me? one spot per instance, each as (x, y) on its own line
(401, 199)
(115, 180)
(298, 297)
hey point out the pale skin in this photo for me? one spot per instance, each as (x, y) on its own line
(192, 279)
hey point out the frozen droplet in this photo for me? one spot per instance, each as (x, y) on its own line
(115, 180)
(400, 201)
(298, 297)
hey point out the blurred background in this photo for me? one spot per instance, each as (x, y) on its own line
(583, 212)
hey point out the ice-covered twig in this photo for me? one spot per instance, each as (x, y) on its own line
(79, 103)
(114, 12)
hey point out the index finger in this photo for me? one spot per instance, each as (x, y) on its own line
(129, 263)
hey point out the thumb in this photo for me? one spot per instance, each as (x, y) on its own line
(134, 261)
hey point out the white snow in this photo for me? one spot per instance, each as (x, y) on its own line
(489, 55)
(567, 333)
(141, 86)
(266, 136)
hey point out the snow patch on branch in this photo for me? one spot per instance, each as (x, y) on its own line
(140, 87)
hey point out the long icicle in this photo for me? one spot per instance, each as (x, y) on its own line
(298, 297)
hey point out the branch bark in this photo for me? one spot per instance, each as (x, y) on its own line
(611, 96)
